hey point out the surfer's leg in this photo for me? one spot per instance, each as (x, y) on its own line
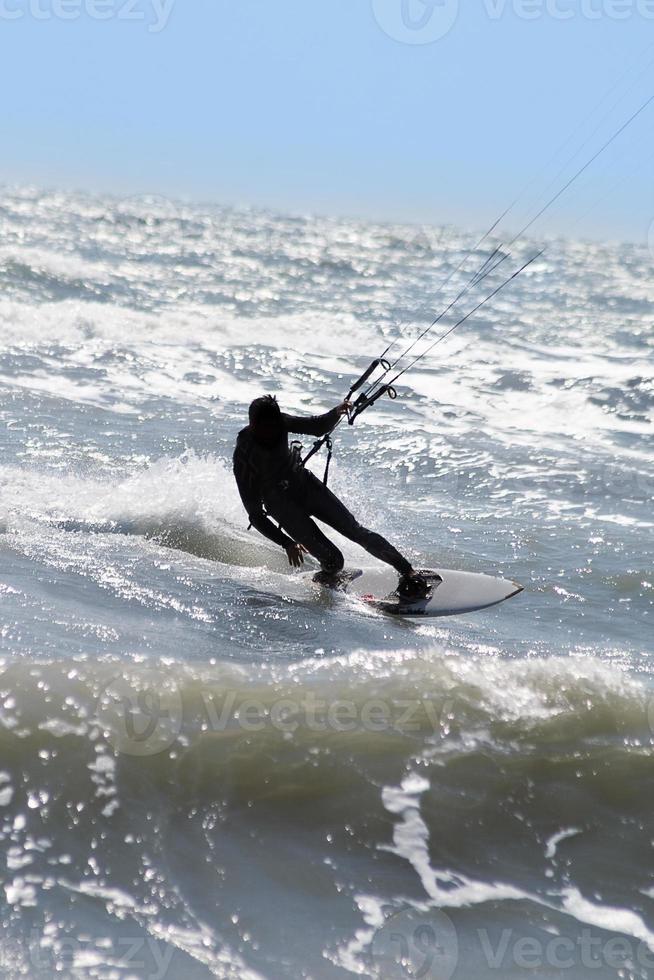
(297, 523)
(326, 506)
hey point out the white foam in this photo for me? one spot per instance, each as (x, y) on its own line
(6, 795)
(619, 920)
(189, 489)
(411, 842)
(556, 839)
(372, 912)
(92, 325)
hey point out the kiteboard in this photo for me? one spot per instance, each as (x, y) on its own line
(451, 593)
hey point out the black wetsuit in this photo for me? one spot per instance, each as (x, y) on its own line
(272, 476)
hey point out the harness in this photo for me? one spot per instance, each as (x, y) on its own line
(254, 478)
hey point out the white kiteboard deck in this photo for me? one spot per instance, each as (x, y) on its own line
(451, 593)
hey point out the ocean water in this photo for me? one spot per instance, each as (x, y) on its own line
(207, 770)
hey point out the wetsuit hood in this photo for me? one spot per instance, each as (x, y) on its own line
(266, 421)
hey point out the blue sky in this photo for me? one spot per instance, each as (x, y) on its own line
(331, 106)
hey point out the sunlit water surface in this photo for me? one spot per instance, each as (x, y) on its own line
(207, 769)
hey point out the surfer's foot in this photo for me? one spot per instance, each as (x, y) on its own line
(413, 586)
(326, 577)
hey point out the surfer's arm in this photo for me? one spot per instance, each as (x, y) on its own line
(313, 425)
(254, 507)
(269, 530)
